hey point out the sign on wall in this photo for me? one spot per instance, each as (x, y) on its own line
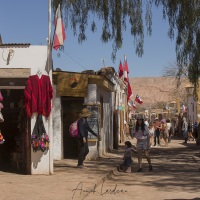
(93, 120)
(15, 72)
(72, 84)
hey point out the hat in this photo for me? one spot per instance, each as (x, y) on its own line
(85, 113)
(163, 120)
(140, 117)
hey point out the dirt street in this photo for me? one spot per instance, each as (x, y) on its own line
(175, 175)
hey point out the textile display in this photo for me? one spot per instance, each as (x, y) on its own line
(38, 94)
(1, 138)
(1, 117)
(1, 106)
(39, 138)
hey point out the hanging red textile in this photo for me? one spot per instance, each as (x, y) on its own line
(38, 94)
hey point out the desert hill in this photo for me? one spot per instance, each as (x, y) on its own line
(157, 89)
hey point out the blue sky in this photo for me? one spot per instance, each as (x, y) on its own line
(25, 21)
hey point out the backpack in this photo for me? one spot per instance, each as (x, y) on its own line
(73, 129)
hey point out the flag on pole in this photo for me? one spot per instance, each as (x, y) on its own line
(184, 109)
(121, 70)
(129, 91)
(126, 71)
(132, 104)
(138, 99)
(59, 35)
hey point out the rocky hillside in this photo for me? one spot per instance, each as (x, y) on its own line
(157, 89)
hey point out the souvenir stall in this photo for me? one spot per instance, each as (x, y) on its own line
(25, 84)
(37, 101)
(14, 131)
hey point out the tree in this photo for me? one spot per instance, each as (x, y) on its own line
(116, 15)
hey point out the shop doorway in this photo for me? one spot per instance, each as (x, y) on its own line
(15, 151)
(71, 108)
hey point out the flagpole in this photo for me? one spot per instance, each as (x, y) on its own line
(49, 38)
(49, 69)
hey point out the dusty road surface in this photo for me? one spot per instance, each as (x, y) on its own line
(175, 175)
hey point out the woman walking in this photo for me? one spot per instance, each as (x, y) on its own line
(165, 133)
(190, 136)
(141, 133)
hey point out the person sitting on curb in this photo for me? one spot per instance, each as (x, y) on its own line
(126, 165)
(141, 133)
(83, 129)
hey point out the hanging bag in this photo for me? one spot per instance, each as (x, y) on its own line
(73, 129)
(39, 139)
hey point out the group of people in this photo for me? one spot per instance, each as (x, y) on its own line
(189, 129)
(147, 135)
(160, 131)
(142, 135)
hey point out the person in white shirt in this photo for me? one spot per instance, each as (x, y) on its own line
(151, 134)
(141, 133)
(169, 127)
(146, 122)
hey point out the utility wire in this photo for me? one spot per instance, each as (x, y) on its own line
(67, 54)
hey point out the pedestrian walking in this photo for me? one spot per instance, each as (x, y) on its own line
(195, 129)
(83, 129)
(141, 133)
(190, 136)
(126, 165)
(184, 129)
(151, 134)
(146, 121)
(169, 127)
(126, 130)
(164, 132)
(157, 132)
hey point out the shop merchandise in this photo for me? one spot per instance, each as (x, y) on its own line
(39, 139)
(1, 138)
(1, 117)
(1, 96)
(1, 106)
(14, 152)
(38, 94)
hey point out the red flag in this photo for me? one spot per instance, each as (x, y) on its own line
(59, 35)
(121, 70)
(129, 91)
(184, 109)
(138, 99)
(126, 71)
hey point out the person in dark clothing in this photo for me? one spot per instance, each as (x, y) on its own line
(157, 132)
(83, 129)
(190, 136)
(195, 128)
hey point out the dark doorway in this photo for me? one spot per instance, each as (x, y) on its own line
(15, 151)
(71, 108)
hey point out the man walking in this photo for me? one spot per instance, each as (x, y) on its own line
(83, 129)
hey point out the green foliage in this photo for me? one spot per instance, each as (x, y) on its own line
(116, 15)
(184, 17)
